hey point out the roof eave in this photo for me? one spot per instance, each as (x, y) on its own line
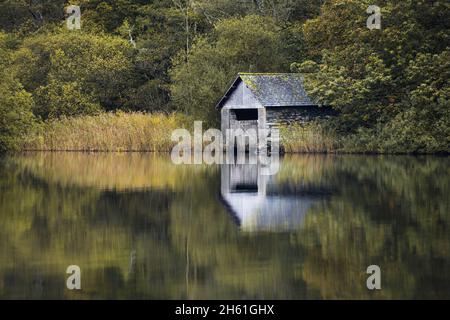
(298, 105)
(233, 86)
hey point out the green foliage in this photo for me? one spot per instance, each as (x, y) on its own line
(250, 44)
(282, 11)
(73, 73)
(391, 85)
(25, 16)
(16, 118)
(161, 31)
(57, 99)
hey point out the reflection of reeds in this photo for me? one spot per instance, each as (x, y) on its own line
(109, 132)
(308, 138)
(313, 169)
(118, 171)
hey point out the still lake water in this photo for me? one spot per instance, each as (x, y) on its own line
(140, 227)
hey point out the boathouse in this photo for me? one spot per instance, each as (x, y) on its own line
(260, 100)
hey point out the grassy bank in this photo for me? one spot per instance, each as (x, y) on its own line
(316, 138)
(117, 132)
(107, 132)
(121, 132)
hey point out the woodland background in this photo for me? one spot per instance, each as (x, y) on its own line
(177, 57)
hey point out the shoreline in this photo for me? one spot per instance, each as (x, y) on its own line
(281, 153)
(151, 132)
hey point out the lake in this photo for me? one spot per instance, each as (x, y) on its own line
(140, 227)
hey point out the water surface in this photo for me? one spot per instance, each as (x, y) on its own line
(140, 227)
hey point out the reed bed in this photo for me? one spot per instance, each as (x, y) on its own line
(307, 138)
(143, 132)
(114, 132)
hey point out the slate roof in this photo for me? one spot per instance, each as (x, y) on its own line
(273, 89)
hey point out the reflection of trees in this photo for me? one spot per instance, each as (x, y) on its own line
(48, 225)
(225, 263)
(172, 238)
(390, 211)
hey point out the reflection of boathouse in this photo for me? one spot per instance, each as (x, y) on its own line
(260, 203)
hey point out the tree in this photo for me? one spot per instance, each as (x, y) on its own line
(30, 15)
(16, 118)
(160, 33)
(250, 44)
(375, 77)
(424, 125)
(73, 73)
(282, 11)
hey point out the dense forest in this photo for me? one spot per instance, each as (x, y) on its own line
(390, 86)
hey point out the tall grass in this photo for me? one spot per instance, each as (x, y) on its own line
(307, 138)
(108, 132)
(136, 131)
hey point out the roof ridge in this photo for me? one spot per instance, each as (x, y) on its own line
(276, 89)
(268, 73)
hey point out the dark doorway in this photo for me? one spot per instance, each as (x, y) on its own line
(246, 114)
